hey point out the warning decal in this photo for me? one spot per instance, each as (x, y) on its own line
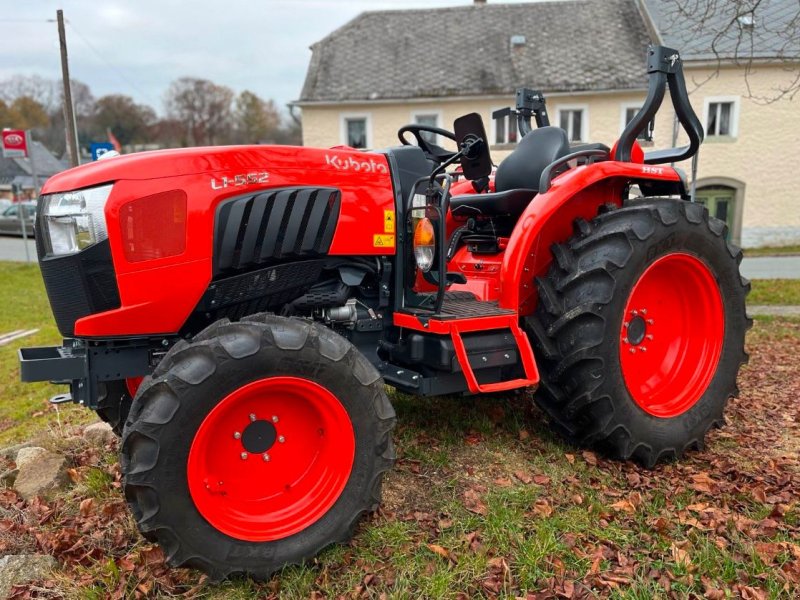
(383, 241)
(388, 221)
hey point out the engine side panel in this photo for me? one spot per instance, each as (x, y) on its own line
(157, 295)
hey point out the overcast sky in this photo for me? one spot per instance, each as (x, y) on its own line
(138, 47)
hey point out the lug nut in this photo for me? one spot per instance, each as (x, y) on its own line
(243, 455)
(634, 312)
(252, 417)
(274, 418)
(649, 336)
(633, 350)
(650, 321)
(625, 324)
(644, 311)
(265, 456)
(237, 435)
(625, 340)
(642, 349)
(281, 439)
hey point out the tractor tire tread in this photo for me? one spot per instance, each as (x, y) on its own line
(189, 363)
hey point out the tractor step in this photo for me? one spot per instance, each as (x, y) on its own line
(462, 313)
(459, 305)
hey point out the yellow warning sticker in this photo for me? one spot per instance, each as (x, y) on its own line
(388, 221)
(383, 241)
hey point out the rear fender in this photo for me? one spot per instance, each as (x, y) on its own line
(549, 218)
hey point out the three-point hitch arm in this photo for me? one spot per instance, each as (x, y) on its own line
(665, 68)
(530, 104)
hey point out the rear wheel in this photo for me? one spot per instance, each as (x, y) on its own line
(640, 330)
(256, 445)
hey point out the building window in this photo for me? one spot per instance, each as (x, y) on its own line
(719, 118)
(505, 130)
(722, 115)
(573, 120)
(430, 120)
(356, 129)
(628, 112)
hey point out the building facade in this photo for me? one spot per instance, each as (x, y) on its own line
(593, 83)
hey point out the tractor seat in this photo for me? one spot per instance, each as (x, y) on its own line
(508, 203)
(517, 177)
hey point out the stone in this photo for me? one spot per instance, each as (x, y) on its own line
(29, 454)
(99, 433)
(8, 477)
(21, 568)
(10, 452)
(41, 475)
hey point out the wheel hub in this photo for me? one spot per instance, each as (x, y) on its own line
(637, 327)
(259, 436)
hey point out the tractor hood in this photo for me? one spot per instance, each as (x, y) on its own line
(208, 159)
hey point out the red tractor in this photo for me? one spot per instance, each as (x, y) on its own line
(236, 312)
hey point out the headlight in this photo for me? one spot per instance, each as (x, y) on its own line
(75, 220)
(424, 244)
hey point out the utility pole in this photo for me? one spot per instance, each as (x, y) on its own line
(69, 108)
(32, 162)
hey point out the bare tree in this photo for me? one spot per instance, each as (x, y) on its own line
(257, 120)
(130, 122)
(746, 33)
(203, 107)
(38, 88)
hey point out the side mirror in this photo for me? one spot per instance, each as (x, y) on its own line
(476, 161)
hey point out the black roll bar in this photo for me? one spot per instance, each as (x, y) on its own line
(665, 67)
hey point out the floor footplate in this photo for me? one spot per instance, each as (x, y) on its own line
(461, 305)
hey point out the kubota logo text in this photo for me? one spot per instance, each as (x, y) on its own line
(352, 164)
(242, 179)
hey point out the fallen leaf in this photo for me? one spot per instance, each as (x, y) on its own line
(437, 549)
(473, 502)
(523, 477)
(86, 507)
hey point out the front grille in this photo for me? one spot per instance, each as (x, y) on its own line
(79, 285)
(277, 224)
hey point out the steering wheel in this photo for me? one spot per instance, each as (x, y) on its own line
(432, 151)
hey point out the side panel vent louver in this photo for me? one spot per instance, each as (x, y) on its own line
(276, 224)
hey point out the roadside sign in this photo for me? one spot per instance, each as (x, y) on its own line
(100, 148)
(14, 143)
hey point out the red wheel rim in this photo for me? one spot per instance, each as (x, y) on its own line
(133, 383)
(671, 336)
(271, 458)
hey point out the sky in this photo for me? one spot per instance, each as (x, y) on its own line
(138, 47)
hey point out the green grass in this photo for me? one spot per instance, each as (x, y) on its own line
(772, 251)
(529, 535)
(24, 410)
(774, 291)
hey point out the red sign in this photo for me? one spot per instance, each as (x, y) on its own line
(14, 143)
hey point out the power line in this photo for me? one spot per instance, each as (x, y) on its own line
(115, 69)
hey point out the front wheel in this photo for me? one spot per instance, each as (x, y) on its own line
(640, 330)
(256, 445)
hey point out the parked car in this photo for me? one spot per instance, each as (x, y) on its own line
(10, 222)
